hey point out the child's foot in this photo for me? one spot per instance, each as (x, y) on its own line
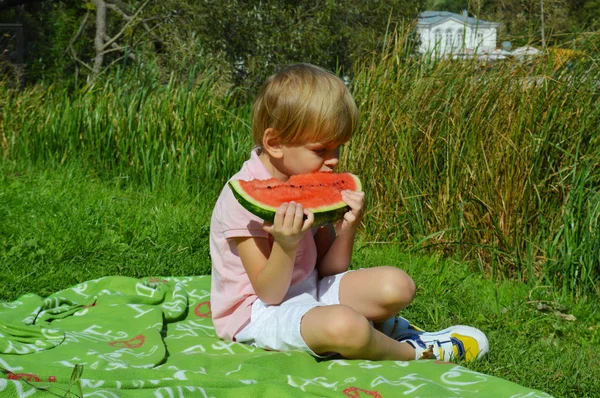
(456, 342)
(399, 328)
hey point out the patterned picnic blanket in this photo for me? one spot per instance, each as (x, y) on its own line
(125, 337)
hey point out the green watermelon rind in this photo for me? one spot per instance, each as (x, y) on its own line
(323, 215)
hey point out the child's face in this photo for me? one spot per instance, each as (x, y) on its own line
(312, 157)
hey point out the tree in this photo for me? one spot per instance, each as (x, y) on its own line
(103, 42)
(256, 38)
(245, 39)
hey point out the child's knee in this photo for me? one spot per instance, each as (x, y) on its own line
(398, 287)
(347, 328)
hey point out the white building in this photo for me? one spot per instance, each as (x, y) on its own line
(444, 33)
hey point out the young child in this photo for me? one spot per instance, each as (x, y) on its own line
(286, 286)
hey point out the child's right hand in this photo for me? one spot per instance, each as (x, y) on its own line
(289, 225)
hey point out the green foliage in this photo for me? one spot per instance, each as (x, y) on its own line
(585, 13)
(245, 40)
(48, 28)
(447, 5)
(254, 39)
(248, 40)
(497, 164)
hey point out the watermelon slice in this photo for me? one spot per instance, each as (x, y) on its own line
(318, 192)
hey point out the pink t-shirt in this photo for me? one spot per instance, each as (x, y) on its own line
(232, 294)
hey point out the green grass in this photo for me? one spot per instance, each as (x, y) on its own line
(61, 228)
(64, 226)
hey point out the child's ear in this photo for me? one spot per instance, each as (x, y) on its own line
(271, 143)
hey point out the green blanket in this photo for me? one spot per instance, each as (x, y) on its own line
(126, 337)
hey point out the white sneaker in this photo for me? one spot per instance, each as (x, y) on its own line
(456, 342)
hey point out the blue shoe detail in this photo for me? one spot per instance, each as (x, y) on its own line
(399, 328)
(415, 342)
(459, 346)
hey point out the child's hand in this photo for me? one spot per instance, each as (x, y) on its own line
(289, 225)
(352, 218)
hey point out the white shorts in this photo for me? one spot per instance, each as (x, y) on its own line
(277, 327)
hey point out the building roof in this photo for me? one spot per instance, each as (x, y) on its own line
(431, 18)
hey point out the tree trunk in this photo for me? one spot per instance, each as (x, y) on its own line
(100, 35)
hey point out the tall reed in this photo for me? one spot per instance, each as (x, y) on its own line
(498, 163)
(135, 127)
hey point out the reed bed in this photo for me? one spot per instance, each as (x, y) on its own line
(498, 164)
(138, 129)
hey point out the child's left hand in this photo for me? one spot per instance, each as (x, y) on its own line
(352, 218)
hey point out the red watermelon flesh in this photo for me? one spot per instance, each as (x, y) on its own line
(312, 190)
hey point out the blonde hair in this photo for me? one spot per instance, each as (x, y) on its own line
(304, 103)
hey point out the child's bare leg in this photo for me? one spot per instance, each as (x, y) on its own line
(338, 328)
(377, 293)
